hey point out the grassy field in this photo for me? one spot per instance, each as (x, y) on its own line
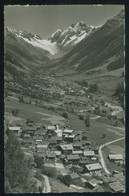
(96, 131)
(37, 114)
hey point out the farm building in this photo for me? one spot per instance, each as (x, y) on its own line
(92, 184)
(69, 138)
(75, 178)
(67, 131)
(29, 130)
(73, 157)
(51, 127)
(77, 146)
(115, 157)
(16, 130)
(51, 156)
(89, 153)
(37, 138)
(77, 152)
(57, 152)
(93, 167)
(66, 148)
(116, 187)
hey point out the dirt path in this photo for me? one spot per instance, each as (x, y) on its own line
(47, 187)
(95, 117)
(101, 155)
(116, 109)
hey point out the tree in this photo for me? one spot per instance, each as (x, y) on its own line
(81, 117)
(104, 135)
(93, 87)
(87, 122)
(65, 115)
(17, 168)
(21, 99)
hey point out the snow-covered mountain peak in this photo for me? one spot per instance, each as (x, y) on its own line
(72, 35)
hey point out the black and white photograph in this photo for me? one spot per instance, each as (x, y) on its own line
(64, 99)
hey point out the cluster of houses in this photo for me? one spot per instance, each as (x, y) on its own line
(70, 153)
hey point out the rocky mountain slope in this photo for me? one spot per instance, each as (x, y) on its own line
(104, 48)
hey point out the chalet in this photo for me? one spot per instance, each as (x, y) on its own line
(41, 150)
(57, 139)
(37, 138)
(93, 167)
(51, 156)
(59, 132)
(83, 162)
(73, 157)
(115, 157)
(93, 158)
(75, 178)
(92, 184)
(51, 133)
(58, 153)
(51, 127)
(77, 146)
(42, 156)
(67, 131)
(52, 143)
(89, 153)
(16, 130)
(39, 133)
(25, 135)
(27, 141)
(69, 138)
(66, 148)
(43, 146)
(77, 152)
(116, 187)
(120, 177)
(29, 130)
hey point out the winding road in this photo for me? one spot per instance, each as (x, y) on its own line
(101, 155)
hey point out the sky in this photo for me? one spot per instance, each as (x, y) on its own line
(44, 20)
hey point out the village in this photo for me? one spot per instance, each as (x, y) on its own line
(68, 155)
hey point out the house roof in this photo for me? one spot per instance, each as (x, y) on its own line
(89, 153)
(116, 157)
(42, 146)
(57, 138)
(74, 176)
(94, 182)
(51, 127)
(41, 155)
(69, 136)
(67, 147)
(58, 153)
(77, 144)
(116, 186)
(40, 150)
(94, 166)
(68, 131)
(119, 176)
(77, 152)
(14, 128)
(48, 164)
(29, 129)
(73, 157)
(51, 155)
(36, 137)
(52, 141)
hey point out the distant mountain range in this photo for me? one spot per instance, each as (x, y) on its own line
(79, 48)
